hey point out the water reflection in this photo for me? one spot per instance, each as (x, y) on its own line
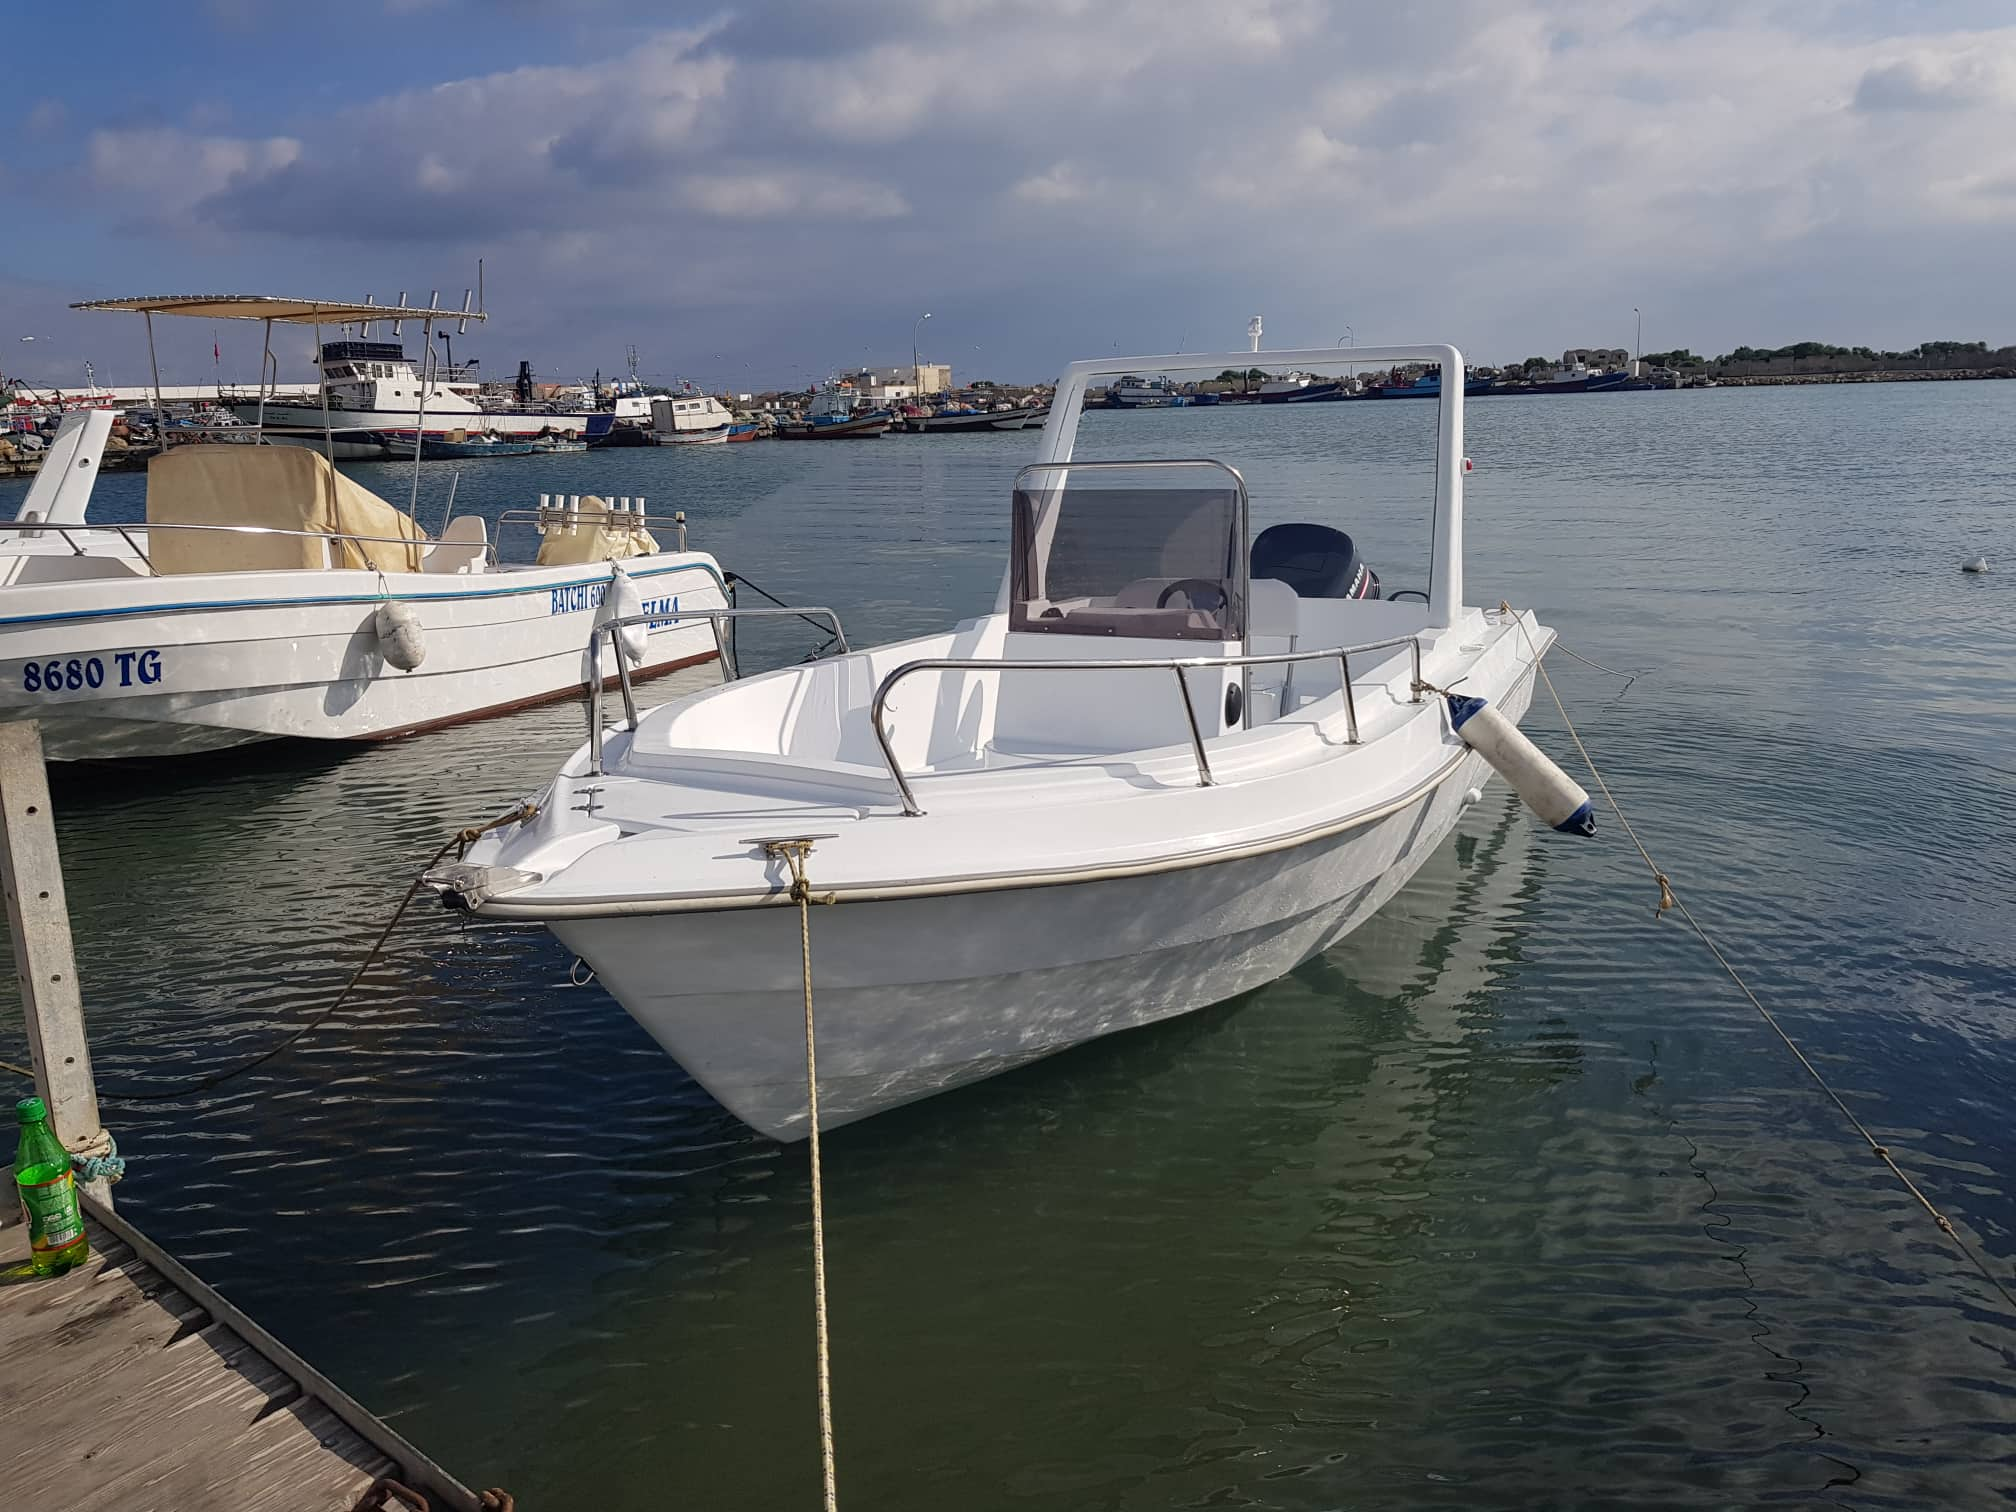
(1446, 1218)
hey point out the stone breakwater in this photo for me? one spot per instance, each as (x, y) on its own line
(1940, 375)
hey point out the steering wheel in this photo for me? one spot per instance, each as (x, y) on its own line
(1189, 587)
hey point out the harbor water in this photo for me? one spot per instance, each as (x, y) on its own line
(1507, 1201)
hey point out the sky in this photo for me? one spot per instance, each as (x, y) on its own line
(753, 195)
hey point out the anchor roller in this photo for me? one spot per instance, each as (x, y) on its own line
(1549, 792)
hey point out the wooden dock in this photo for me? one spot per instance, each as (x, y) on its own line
(128, 1385)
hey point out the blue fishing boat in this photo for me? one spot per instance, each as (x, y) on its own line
(1429, 386)
(448, 449)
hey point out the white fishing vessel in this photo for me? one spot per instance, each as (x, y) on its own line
(268, 595)
(689, 420)
(1172, 764)
(369, 387)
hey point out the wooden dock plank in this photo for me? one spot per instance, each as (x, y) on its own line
(159, 1406)
(91, 1321)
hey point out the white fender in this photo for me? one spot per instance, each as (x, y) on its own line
(623, 601)
(1549, 792)
(400, 639)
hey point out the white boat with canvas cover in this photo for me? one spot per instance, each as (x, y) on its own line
(1174, 763)
(268, 595)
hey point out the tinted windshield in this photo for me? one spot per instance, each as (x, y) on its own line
(1129, 550)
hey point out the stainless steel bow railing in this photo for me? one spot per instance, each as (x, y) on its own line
(721, 650)
(1179, 666)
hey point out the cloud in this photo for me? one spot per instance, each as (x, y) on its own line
(1940, 81)
(773, 195)
(1059, 184)
(46, 118)
(175, 170)
(1487, 170)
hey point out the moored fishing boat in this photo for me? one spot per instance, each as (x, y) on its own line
(1131, 391)
(835, 414)
(368, 386)
(689, 418)
(458, 447)
(965, 420)
(1429, 386)
(1301, 388)
(267, 595)
(1173, 763)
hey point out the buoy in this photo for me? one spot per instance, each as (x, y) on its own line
(400, 640)
(1977, 564)
(623, 601)
(1549, 792)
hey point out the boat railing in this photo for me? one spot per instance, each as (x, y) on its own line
(723, 651)
(69, 531)
(623, 513)
(1179, 666)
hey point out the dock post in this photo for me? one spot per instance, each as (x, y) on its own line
(38, 918)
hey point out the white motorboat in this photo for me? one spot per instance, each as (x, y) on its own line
(268, 595)
(1171, 765)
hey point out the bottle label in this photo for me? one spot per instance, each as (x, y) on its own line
(54, 1220)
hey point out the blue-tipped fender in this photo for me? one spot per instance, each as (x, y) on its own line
(1549, 792)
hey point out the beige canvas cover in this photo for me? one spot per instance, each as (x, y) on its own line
(593, 533)
(280, 488)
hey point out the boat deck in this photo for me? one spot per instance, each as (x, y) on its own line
(127, 1385)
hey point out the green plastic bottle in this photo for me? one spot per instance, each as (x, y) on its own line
(48, 1193)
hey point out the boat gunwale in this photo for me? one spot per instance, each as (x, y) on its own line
(706, 564)
(502, 907)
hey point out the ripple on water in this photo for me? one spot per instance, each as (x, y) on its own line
(1508, 1201)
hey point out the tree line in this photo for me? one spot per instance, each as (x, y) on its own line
(1925, 351)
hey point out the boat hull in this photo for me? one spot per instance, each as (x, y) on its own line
(197, 663)
(835, 430)
(913, 1000)
(303, 422)
(1311, 393)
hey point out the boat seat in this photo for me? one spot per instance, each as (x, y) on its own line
(461, 549)
(1273, 627)
(1317, 561)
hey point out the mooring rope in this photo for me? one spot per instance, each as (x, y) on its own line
(459, 842)
(1669, 899)
(1629, 677)
(793, 854)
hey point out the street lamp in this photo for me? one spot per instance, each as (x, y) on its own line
(916, 326)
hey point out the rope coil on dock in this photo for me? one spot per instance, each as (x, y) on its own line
(1669, 899)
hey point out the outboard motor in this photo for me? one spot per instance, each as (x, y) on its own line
(1315, 560)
